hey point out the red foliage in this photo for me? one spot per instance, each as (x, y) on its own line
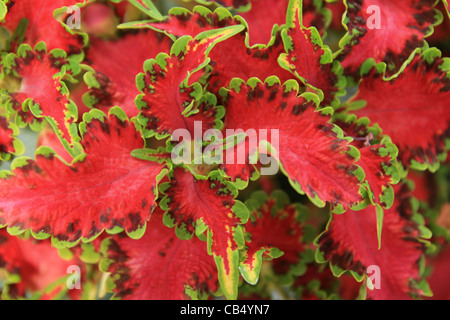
(345, 101)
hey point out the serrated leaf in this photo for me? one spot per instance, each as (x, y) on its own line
(114, 81)
(412, 108)
(159, 266)
(377, 159)
(273, 232)
(309, 59)
(350, 243)
(42, 92)
(368, 22)
(79, 201)
(189, 200)
(170, 83)
(312, 152)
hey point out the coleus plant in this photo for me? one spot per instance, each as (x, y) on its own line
(357, 209)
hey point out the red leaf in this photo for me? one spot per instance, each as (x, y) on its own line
(191, 203)
(105, 189)
(309, 59)
(377, 159)
(311, 150)
(169, 83)
(42, 93)
(159, 266)
(273, 224)
(37, 264)
(42, 26)
(350, 243)
(412, 108)
(405, 23)
(114, 81)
